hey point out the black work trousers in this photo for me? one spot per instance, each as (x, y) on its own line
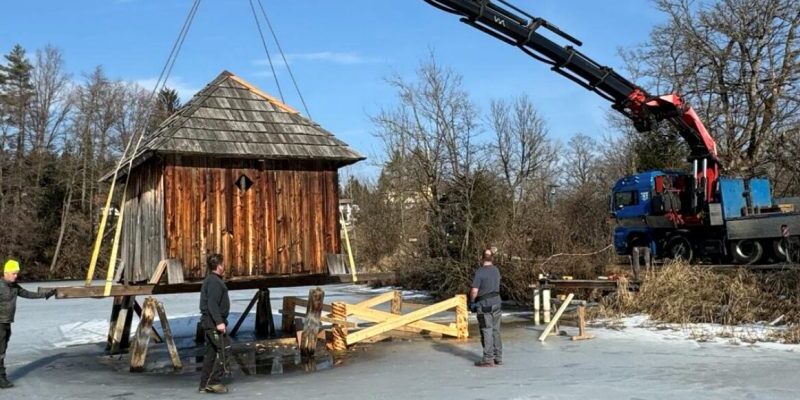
(5, 334)
(214, 358)
(489, 324)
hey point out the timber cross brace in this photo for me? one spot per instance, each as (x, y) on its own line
(385, 323)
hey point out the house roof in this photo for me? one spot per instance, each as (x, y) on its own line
(231, 118)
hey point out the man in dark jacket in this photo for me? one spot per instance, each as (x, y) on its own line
(214, 307)
(9, 290)
(485, 300)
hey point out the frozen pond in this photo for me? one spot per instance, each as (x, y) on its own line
(56, 352)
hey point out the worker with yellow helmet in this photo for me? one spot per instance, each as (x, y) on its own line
(9, 290)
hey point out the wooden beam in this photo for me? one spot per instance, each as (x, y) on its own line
(174, 271)
(122, 326)
(398, 321)
(158, 272)
(262, 282)
(372, 315)
(142, 341)
(304, 303)
(462, 317)
(287, 322)
(173, 350)
(115, 307)
(338, 341)
(553, 322)
(373, 301)
(153, 332)
(265, 325)
(397, 302)
(247, 309)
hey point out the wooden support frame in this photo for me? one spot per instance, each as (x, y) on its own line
(582, 335)
(386, 322)
(120, 324)
(141, 343)
(555, 319)
(241, 319)
(458, 302)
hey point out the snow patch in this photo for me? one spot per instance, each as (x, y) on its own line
(641, 327)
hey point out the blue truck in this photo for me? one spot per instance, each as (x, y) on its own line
(744, 225)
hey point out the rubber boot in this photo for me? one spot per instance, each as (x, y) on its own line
(216, 388)
(5, 383)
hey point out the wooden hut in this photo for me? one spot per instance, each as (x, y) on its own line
(234, 171)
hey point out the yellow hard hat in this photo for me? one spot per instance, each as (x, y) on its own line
(11, 266)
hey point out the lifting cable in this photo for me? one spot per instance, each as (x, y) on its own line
(151, 105)
(280, 50)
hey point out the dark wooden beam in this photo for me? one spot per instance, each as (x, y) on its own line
(264, 282)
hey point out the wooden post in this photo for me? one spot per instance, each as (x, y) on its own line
(339, 339)
(582, 335)
(265, 325)
(397, 302)
(153, 333)
(287, 321)
(546, 305)
(173, 350)
(648, 259)
(635, 262)
(537, 307)
(120, 337)
(115, 307)
(553, 323)
(142, 340)
(462, 316)
(308, 342)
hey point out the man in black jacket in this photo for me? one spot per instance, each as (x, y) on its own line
(9, 290)
(214, 307)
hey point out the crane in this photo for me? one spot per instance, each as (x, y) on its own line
(680, 215)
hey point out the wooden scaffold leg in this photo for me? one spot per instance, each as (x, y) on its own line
(143, 334)
(308, 341)
(265, 325)
(120, 325)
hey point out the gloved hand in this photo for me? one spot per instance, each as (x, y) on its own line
(473, 306)
(50, 293)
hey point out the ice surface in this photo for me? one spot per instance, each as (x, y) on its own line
(56, 352)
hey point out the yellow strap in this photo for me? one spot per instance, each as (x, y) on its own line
(349, 251)
(100, 232)
(112, 262)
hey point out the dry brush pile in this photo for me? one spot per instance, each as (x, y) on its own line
(683, 294)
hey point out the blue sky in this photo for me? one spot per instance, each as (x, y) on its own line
(340, 51)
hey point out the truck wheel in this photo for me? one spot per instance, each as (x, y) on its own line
(780, 249)
(747, 251)
(679, 247)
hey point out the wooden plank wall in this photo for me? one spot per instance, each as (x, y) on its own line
(143, 242)
(284, 223)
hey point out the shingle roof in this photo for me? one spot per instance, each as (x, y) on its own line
(232, 118)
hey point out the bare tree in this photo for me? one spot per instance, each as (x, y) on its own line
(580, 162)
(738, 62)
(50, 105)
(430, 136)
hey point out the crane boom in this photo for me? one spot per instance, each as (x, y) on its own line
(509, 24)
